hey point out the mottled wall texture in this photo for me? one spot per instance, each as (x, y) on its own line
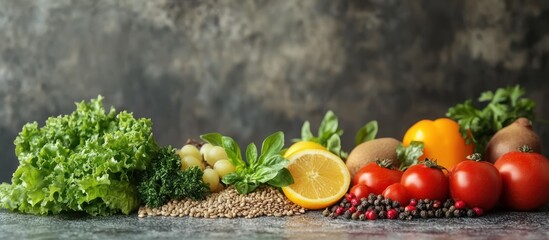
(249, 68)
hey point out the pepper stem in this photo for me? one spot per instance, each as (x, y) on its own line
(525, 149)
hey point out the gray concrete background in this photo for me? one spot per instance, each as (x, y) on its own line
(249, 68)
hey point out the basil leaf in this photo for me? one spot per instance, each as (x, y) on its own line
(283, 178)
(328, 125)
(334, 144)
(251, 155)
(272, 144)
(231, 178)
(245, 187)
(213, 138)
(367, 132)
(306, 133)
(275, 163)
(233, 151)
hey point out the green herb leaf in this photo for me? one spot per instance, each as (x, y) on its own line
(272, 145)
(233, 151)
(328, 134)
(328, 125)
(213, 138)
(306, 133)
(502, 108)
(367, 132)
(251, 154)
(283, 178)
(409, 155)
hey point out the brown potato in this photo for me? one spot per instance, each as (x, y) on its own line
(510, 138)
(370, 151)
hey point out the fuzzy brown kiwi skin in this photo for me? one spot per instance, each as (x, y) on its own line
(510, 138)
(370, 151)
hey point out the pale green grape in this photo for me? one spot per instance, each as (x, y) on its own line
(214, 154)
(210, 177)
(223, 167)
(190, 161)
(205, 148)
(190, 150)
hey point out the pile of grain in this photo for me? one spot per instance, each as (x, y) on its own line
(264, 201)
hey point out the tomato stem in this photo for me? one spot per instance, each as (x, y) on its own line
(385, 163)
(433, 164)
(477, 157)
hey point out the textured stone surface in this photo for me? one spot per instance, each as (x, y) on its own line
(309, 226)
(249, 68)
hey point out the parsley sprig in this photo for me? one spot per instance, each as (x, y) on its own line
(503, 107)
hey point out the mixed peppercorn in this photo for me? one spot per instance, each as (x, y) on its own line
(377, 207)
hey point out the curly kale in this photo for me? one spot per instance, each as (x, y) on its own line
(164, 180)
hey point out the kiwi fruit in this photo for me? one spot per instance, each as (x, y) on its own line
(370, 151)
(510, 138)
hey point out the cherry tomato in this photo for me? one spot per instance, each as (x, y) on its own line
(397, 192)
(442, 141)
(478, 184)
(377, 177)
(425, 180)
(525, 178)
(360, 191)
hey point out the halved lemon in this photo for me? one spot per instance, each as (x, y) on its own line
(320, 179)
(302, 145)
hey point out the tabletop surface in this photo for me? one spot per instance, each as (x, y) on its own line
(312, 225)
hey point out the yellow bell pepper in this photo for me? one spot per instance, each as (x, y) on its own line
(442, 141)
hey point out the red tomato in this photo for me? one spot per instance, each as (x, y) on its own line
(376, 177)
(425, 180)
(360, 191)
(478, 184)
(525, 178)
(397, 192)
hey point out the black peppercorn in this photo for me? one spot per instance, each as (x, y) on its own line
(361, 217)
(457, 213)
(448, 214)
(451, 208)
(355, 215)
(423, 214)
(347, 205)
(379, 197)
(372, 197)
(471, 213)
(334, 208)
(326, 212)
(360, 208)
(347, 214)
(439, 213)
(377, 202)
(382, 214)
(409, 218)
(431, 213)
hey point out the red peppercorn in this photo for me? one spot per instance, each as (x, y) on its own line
(350, 196)
(460, 205)
(478, 211)
(409, 208)
(371, 215)
(392, 214)
(340, 210)
(437, 204)
(352, 209)
(355, 202)
(413, 202)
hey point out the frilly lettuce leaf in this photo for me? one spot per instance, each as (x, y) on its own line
(86, 161)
